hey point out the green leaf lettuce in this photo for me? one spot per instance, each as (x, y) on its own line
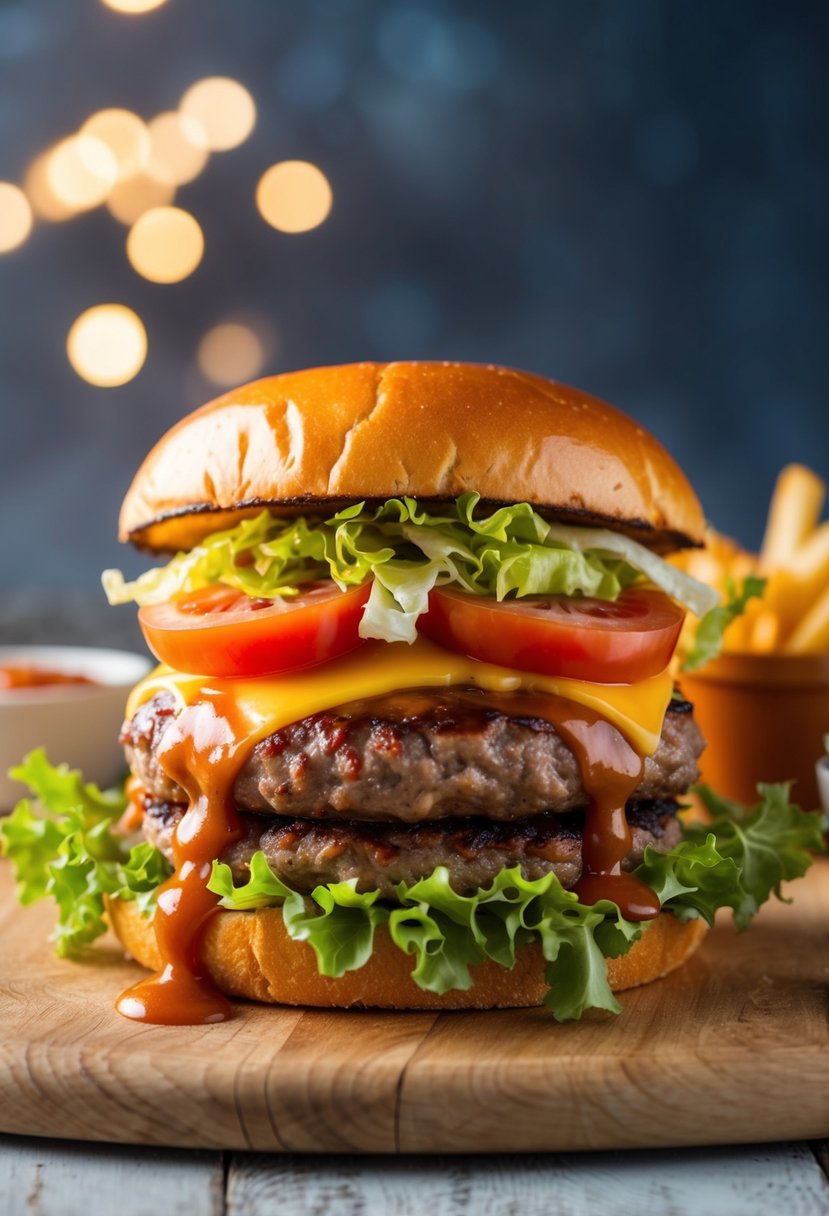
(738, 861)
(64, 843)
(710, 632)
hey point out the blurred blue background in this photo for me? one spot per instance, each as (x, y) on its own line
(627, 195)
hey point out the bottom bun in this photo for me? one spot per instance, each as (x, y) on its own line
(249, 954)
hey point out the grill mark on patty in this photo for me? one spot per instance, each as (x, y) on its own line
(305, 853)
(423, 755)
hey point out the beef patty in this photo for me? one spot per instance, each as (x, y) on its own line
(304, 853)
(427, 755)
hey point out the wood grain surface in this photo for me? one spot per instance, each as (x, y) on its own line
(734, 1048)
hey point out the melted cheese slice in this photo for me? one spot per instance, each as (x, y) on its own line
(265, 705)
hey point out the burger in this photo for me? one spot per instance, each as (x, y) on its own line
(415, 739)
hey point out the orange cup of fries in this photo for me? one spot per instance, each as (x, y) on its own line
(763, 704)
(763, 717)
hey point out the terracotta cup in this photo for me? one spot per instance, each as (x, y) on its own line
(763, 718)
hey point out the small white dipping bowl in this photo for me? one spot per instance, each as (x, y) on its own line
(75, 723)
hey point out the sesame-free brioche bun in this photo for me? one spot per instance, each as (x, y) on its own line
(250, 955)
(313, 440)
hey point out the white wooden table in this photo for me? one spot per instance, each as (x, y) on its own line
(69, 1178)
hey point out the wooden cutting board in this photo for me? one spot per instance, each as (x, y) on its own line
(733, 1048)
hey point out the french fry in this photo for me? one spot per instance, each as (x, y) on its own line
(737, 636)
(741, 566)
(795, 509)
(791, 592)
(783, 597)
(811, 636)
(812, 558)
(765, 631)
(792, 617)
(705, 567)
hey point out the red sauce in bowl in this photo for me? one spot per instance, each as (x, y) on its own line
(19, 675)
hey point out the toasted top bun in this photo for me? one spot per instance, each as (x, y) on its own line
(250, 955)
(317, 439)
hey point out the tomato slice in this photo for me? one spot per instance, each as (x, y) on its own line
(607, 641)
(219, 631)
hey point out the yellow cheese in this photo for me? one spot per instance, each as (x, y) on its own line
(377, 668)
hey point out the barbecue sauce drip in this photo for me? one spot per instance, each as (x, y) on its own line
(133, 815)
(199, 751)
(610, 771)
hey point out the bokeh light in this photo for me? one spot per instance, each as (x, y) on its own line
(131, 197)
(178, 148)
(231, 353)
(42, 197)
(223, 108)
(15, 217)
(294, 196)
(133, 6)
(107, 345)
(165, 244)
(81, 171)
(126, 136)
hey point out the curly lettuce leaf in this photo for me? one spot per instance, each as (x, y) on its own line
(448, 933)
(61, 844)
(62, 789)
(576, 974)
(694, 879)
(710, 632)
(341, 934)
(724, 864)
(64, 843)
(262, 890)
(444, 950)
(405, 551)
(771, 843)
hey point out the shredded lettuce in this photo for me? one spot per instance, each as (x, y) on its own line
(710, 632)
(697, 596)
(406, 550)
(64, 843)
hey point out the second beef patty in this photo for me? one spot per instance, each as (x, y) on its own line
(305, 853)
